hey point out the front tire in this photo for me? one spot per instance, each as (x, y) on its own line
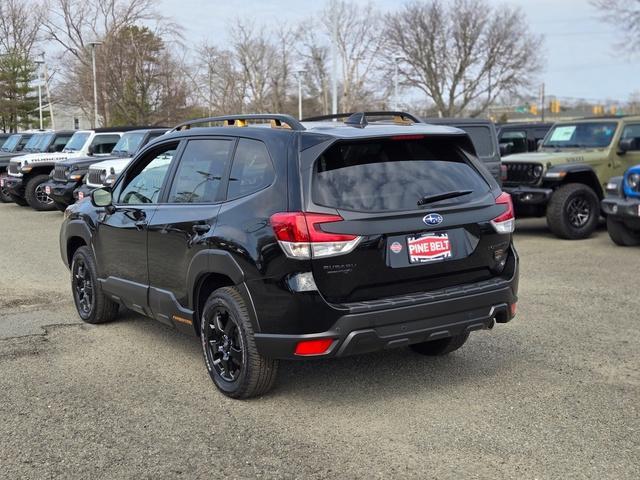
(35, 195)
(440, 347)
(92, 304)
(229, 348)
(573, 211)
(621, 235)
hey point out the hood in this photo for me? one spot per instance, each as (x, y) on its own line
(85, 161)
(38, 158)
(118, 165)
(555, 157)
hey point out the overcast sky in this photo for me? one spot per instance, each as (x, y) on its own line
(581, 60)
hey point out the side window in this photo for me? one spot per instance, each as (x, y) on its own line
(632, 131)
(199, 175)
(144, 180)
(252, 169)
(104, 143)
(60, 142)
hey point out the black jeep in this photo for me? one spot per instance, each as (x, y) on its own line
(521, 137)
(15, 145)
(286, 240)
(69, 174)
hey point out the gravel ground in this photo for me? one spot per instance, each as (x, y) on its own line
(553, 394)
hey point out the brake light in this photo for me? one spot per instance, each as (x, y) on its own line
(313, 347)
(408, 137)
(505, 222)
(300, 235)
(504, 173)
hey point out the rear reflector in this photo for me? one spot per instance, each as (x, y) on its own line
(313, 347)
(505, 222)
(301, 237)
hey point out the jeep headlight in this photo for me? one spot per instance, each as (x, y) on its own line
(537, 171)
(110, 180)
(633, 180)
(76, 177)
(25, 168)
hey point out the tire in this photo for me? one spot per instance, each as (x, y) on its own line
(229, 348)
(440, 347)
(35, 195)
(573, 212)
(18, 200)
(60, 206)
(84, 285)
(621, 235)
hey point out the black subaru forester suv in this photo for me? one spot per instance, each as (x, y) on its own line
(286, 240)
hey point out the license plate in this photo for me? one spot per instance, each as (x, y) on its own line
(47, 190)
(430, 247)
(80, 195)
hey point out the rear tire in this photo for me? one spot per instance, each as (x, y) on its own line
(440, 347)
(573, 211)
(36, 196)
(621, 235)
(18, 200)
(92, 304)
(229, 348)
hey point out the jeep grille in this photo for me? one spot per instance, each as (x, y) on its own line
(14, 168)
(59, 173)
(93, 176)
(522, 173)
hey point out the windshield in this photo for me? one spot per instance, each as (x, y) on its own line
(128, 144)
(44, 142)
(10, 143)
(77, 141)
(581, 135)
(33, 142)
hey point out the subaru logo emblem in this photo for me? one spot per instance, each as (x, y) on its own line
(432, 219)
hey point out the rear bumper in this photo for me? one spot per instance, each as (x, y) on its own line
(625, 209)
(14, 185)
(373, 326)
(61, 192)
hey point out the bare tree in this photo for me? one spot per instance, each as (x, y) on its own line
(314, 60)
(463, 55)
(218, 81)
(625, 16)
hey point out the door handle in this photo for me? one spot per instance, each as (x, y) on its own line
(201, 228)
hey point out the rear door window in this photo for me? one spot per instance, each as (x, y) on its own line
(252, 169)
(393, 175)
(104, 143)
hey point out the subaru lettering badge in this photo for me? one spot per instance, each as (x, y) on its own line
(432, 219)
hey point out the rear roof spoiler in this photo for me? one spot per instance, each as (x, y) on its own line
(360, 118)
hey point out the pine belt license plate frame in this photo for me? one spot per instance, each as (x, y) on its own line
(462, 245)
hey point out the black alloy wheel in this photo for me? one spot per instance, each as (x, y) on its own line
(223, 344)
(579, 211)
(83, 288)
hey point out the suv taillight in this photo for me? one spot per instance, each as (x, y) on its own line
(506, 222)
(300, 236)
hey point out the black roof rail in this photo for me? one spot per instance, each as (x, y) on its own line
(402, 116)
(277, 121)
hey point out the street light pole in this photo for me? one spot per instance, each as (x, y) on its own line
(95, 82)
(299, 74)
(39, 63)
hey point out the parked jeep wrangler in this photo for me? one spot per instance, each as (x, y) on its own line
(303, 240)
(29, 173)
(622, 206)
(68, 175)
(565, 179)
(13, 146)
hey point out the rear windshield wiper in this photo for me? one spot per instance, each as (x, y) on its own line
(442, 196)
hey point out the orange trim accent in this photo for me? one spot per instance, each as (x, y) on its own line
(186, 321)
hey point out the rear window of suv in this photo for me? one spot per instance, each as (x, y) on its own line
(393, 175)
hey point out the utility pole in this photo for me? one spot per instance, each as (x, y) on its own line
(46, 90)
(334, 58)
(542, 102)
(39, 63)
(396, 95)
(95, 82)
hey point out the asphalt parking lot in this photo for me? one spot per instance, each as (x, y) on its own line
(553, 394)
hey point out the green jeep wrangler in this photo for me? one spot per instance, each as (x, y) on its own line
(565, 179)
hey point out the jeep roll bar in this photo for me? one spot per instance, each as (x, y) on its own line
(277, 121)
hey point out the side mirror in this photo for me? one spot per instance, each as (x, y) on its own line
(539, 143)
(101, 197)
(505, 149)
(91, 150)
(625, 145)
